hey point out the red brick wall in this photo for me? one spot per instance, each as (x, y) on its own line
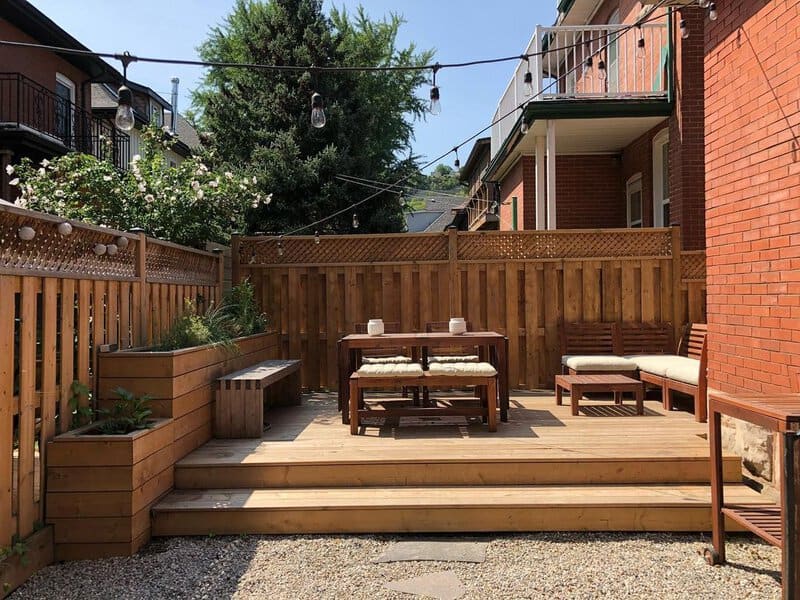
(753, 195)
(637, 157)
(589, 192)
(511, 185)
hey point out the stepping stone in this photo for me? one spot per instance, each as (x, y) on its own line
(474, 552)
(444, 585)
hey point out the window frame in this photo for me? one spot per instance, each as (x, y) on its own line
(633, 185)
(659, 141)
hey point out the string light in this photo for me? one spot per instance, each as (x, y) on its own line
(280, 245)
(122, 242)
(523, 127)
(456, 163)
(100, 249)
(588, 68)
(712, 11)
(355, 220)
(684, 29)
(317, 111)
(65, 228)
(703, 3)
(26, 234)
(641, 51)
(124, 118)
(601, 70)
(436, 105)
(111, 249)
(527, 86)
(316, 237)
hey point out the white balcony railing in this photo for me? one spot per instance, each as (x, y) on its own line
(564, 73)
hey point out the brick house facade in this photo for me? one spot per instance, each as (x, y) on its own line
(752, 157)
(594, 176)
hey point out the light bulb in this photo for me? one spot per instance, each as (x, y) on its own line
(436, 105)
(100, 249)
(703, 3)
(587, 68)
(355, 221)
(601, 70)
(111, 249)
(528, 84)
(712, 11)
(280, 247)
(124, 118)
(684, 29)
(122, 242)
(317, 111)
(316, 237)
(523, 127)
(641, 51)
(65, 228)
(26, 234)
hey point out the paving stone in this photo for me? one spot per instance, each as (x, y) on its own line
(442, 585)
(474, 552)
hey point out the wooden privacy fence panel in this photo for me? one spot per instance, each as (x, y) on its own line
(59, 302)
(518, 283)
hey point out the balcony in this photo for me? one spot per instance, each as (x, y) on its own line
(52, 123)
(564, 84)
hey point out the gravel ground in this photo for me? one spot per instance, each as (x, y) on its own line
(560, 565)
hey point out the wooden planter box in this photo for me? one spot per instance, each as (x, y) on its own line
(181, 382)
(100, 489)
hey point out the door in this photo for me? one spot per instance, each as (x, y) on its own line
(634, 200)
(65, 110)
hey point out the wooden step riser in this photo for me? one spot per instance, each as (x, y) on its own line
(434, 520)
(455, 473)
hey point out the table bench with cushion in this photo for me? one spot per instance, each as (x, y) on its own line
(240, 396)
(393, 376)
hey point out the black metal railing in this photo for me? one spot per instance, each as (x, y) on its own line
(26, 104)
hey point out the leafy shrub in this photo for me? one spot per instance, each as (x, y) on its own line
(240, 307)
(128, 414)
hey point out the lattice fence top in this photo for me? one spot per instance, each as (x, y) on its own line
(511, 245)
(344, 249)
(51, 254)
(170, 263)
(693, 265)
(519, 245)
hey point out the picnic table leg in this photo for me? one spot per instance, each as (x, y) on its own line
(790, 516)
(491, 403)
(503, 384)
(558, 394)
(640, 400)
(354, 405)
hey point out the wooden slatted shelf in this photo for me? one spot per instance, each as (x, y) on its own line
(764, 521)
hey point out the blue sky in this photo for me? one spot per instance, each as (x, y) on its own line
(458, 31)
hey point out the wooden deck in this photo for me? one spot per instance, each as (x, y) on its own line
(604, 470)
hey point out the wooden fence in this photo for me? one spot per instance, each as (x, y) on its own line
(59, 302)
(518, 283)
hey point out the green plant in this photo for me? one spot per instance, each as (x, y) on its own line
(82, 413)
(240, 307)
(128, 414)
(17, 548)
(191, 329)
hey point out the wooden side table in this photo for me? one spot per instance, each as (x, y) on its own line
(577, 385)
(777, 525)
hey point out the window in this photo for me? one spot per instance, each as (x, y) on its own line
(156, 114)
(634, 200)
(661, 217)
(64, 110)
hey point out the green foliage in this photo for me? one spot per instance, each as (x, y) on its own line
(82, 413)
(237, 315)
(442, 179)
(17, 548)
(128, 414)
(261, 119)
(188, 204)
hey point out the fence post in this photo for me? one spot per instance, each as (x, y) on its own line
(141, 275)
(235, 273)
(677, 295)
(452, 257)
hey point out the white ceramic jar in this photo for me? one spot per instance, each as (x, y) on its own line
(375, 327)
(457, 325)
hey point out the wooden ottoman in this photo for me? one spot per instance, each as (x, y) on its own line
(577, 385)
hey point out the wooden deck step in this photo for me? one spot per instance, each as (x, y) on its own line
(442, 509)
(263, 464)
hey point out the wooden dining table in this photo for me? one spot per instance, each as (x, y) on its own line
(492, 345)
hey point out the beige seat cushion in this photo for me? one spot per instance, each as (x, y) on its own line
(454, 358)
(476, 369)
(598, 362)
(385, 360)
(659, 364)
(687, 372)
(391, 370)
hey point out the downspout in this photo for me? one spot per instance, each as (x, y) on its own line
(671, 52)
(174, 102)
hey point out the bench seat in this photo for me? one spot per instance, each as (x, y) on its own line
(597, 362)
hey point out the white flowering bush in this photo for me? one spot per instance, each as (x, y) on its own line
(187, 204)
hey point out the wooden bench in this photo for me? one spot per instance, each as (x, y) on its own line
(593, 348)
(240, 396)
(488, 397)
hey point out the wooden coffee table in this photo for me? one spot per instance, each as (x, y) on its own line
(577, 385)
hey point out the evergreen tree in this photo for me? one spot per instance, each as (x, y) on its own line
(261, 119)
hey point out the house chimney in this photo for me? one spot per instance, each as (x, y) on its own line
(174, 101)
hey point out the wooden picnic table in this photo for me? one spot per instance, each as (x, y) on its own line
(778, 525)
(494, 344)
